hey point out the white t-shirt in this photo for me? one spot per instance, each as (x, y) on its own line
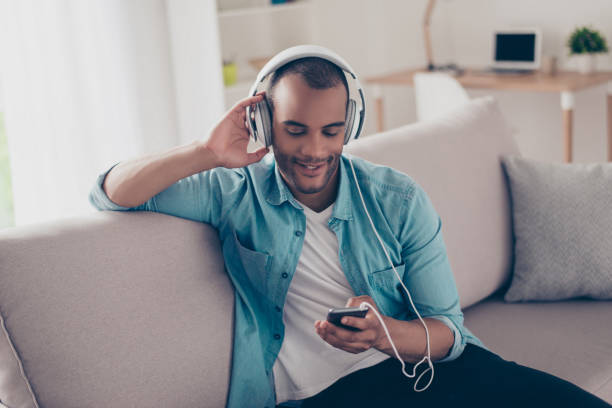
(307, 364)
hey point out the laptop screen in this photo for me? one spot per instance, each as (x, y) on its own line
(515, 47)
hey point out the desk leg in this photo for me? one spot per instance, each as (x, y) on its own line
(380, 120)
(609, 106)
(567, 105)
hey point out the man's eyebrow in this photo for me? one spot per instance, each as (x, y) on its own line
(334, 124)
(294, 123)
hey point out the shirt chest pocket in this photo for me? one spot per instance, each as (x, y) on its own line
(255, 266)
(388, 291)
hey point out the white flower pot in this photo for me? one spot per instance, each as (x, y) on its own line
(585, 63)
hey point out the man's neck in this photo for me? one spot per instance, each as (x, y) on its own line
(319, 202)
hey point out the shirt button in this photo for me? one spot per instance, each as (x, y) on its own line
(298, 233)
(284, 274)
(277, 336)
(278, 309)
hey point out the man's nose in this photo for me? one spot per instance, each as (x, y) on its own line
(315, 146)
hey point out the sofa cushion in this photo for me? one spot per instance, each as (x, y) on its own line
(116, 309)
(562, 221)
(569, 339)
(456, 159)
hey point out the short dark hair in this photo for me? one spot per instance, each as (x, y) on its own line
(318, 73)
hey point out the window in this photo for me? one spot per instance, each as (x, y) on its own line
(7, 218)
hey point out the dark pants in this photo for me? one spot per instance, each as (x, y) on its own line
(478, 378)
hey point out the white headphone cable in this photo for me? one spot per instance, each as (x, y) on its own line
(428, 356)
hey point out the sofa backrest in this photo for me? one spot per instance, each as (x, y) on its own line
(456, 159)
(114, 309)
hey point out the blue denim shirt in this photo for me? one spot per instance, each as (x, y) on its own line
(261, 227)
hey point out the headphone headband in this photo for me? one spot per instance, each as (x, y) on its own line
(263, 128)
(302, 51)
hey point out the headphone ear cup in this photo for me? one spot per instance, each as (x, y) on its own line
(349, 120)
(263, 119)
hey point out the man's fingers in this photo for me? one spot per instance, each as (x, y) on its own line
(251, 100)
(357, 322)
(337, 341)
(257, 155)
(345, 335)
(356, 301)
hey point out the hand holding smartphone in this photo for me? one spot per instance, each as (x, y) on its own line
(335, 315)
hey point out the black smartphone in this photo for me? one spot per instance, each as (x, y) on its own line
(336, 314)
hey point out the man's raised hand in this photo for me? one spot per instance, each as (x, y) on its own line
(229, 138)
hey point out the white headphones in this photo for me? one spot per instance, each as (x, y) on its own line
(260, 125)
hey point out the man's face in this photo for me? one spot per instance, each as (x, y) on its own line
(308, 136)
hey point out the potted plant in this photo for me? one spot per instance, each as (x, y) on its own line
(584, 43)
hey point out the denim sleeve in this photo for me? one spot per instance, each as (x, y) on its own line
(428, 274)
(458, 345)
(204, 197)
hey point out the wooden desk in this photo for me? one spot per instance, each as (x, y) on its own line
(564, 82)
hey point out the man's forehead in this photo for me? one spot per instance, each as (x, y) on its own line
(296, 84)
(296, 101)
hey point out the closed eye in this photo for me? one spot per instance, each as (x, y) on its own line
(295, 133)
(298, 131)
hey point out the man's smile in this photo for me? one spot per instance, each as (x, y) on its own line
(310, 169)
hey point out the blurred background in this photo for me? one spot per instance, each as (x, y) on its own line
(85, 84)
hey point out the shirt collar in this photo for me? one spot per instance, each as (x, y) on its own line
(343, 205)
(278, 192)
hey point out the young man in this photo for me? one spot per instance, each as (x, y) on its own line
(296, 241)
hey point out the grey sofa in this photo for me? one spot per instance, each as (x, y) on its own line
(133, 309)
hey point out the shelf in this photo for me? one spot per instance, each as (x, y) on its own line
(268, 8)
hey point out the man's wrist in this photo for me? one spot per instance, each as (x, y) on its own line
(382, 342)
(205, 158)
(403, 334)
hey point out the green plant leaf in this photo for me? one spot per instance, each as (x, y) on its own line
(586, 40)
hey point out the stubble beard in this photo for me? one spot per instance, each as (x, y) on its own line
(287, 163)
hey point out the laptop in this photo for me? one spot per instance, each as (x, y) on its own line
(515, 50)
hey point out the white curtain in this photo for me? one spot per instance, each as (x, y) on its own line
(88, 83)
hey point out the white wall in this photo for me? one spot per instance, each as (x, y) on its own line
(557, 18)
(538, 115)
(244, 36)
(380, 36)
